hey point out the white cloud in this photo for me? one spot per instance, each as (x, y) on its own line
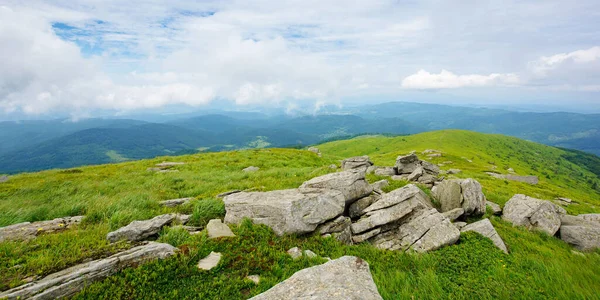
(545, 64)
(449, 80)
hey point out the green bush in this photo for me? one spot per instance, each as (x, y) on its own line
(206, 210)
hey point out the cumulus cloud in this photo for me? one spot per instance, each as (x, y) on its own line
(546, 64)
(449, 80)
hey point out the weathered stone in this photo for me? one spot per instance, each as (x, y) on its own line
(351, 184)
(414, 176)
(460, 225)
(385, 171)
(338, 224)
(254, 278)
(309, 254)
(27, 230)
(379, 185)
(371, 169)
(403, 177)
(427, 179)
(344, 236)
(3, 178)
(68, 282)
(454, 214)
(434, 155)
(427, 151)
(496, 209)
(294, 211)
(175, 202)
(314, 150)
(182, 219)
(422, 231)
(358, 162)
(365, 236)
(584, 236)
(333, 166)
(406, 164)
(532, 213)
(223, 195)
(357, 208)
(563, 199)
(345, 278)
(141, 230)
(209, 262)
(591, 217)
(251, 169)
(473, 198)
(449, 194)
(400, 195)
(527, 179)
(430, 168)
(216, 229)
(165, 164)
(454, 171)
(485, 228)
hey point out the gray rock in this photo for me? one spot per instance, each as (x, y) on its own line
(385, 171)
(165, 164)
(314, 150)
(591, 217)
(403, 177)
(217, 229)
(584, 236)
(400, 195)
(254, 278)
(454, 171)
(379, 185)
(527, 179)
(295, 253)
(333, 166)
(496, 209)
(485, 228)
(3, 178)
(357, 208)
(406, 164)
(460, 225)
(251, 169)
(68, 282)
(434, 155)
(309, 254)
(365, 236)
(182, 219)
(141, 230)
(338, 224)
(209, 262)
(358, 162)
(449, 194)
(533, 213)
(175, 202)
(414, 176)
(222, 195)
(371, 169)
(346, 278)
(563, 199)
(465, 193)
(430, 168)
(294, 211)
(427, 151)
(351, 184)
(454, 214)
(26, 231)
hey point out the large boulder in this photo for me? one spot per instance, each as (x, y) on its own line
(27, 230)
(68, 282)
(351, 184)
(358, 162)
(141, 230)
(533, 213)
(344, 278)
(407, 164)
(485, 228)
(591, 217)
(460, 193)
(582, 233)
(293, 211)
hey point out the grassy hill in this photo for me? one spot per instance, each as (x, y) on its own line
(111, 196)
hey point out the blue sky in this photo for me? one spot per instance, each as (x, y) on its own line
(81, 57)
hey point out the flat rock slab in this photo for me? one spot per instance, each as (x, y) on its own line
(454, 214)
(68, 282)
(581, 231)
(176, 202)
(485, 228)
(352, 184)
(26, 231)
(527, 179)
(141, 230)
(166, 164)
(344, 278)
(533, 213)
(358, 162)
(209, 262)
(251, 169)
(217, 229)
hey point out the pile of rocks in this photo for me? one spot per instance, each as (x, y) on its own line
(407, 167)
(27, 230)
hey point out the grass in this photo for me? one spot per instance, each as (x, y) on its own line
(111, 196)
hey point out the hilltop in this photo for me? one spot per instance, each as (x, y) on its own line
(111, 196)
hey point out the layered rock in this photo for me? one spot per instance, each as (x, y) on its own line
(357, 208)
(460, 193)
(485, 228)
(581, 231)
(27, 230)
(358, 162)
(385, 171)
(414, 169)
(351, 184)
(339, 228)
(68, 282)
(293, 211)
(533, 213)
(344, 278)
(141, 230)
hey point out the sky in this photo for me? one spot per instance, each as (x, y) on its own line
(84, 57)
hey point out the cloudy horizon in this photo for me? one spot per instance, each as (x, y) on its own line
(62, 57)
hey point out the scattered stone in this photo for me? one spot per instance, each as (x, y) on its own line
(527, 179)
(66, 283)
(182, 219)
(154, 169)
(294, 211)
(385, 171)
(402, 177)
(485, 228)
(465, 193)
(251, 169)
(510, 170)
(358, 162)
(496, 209)
(434, 155)
(460, 225)
(582, 233)
(314, 150)
(295, 253)
(309, 254)
(345, 278)
(3, 178)
(414, 176)
(454, 214)
(165, 164)
(222, 195)
(351, 184)
(26, 231)
(357, 208)
(533, 213)
(577, 253)
(217, 229)
(176, 202)
(333, 166)
(379, 185)
(254, 278)
(209, 262)
(191, 229)
(563, 199)
(141, 230)
(454, 171)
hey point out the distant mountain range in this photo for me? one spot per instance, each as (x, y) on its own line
(39, 145)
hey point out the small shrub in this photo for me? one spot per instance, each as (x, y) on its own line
(207, 209)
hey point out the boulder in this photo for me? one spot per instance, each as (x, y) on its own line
(209, 262)
(251, 169)
(295, 253)
(379, 185)
(533, 213)
(385, 171)
(294, 211)
(585, 237)
(464, 193)
(344, 278)
(351, 184)
(175, 202)
(496, 209)
(141, 230)
(430, 168)
(406, 164)
(449, 194)
(357, 208)
(216, 229)
(454, 214)
(26, 231)
(414, 176)
(358, 162)
(485, 228)
(3, 178)
(66, 283)
(314, 150)
(366, 235)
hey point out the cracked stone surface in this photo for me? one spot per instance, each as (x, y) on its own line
(533, 213)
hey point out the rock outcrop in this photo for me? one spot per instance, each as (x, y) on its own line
(533, 213)
(293, 211)
(485, 228)
(454, 214)
(339, 228)
(581, 231)
(385, 171)
(27, 230)
(460, 193)
(527, 179)
(351, 184)
(141, 230)
(358, 162)
(176, 202)
(344, 278)
(412, 168)
(357, 208)
(68, 282)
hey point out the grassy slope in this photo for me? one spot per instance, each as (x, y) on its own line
(111, 196)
